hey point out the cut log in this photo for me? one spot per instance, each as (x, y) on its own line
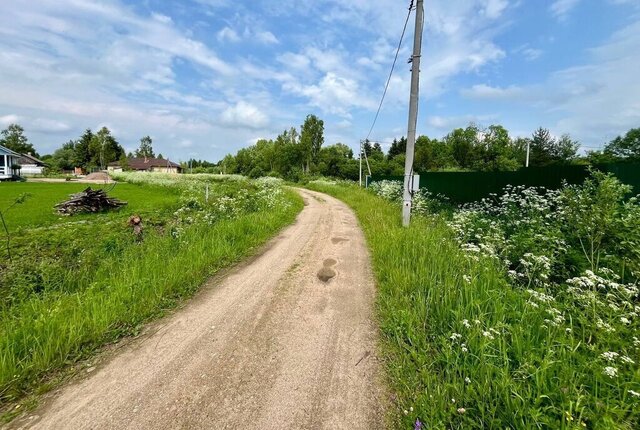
(88, 201)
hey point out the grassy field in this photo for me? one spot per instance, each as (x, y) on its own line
(72, 287)
(38, 209)
(464, 348)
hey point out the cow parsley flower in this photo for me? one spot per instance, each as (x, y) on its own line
(611, 372)
(609, 355)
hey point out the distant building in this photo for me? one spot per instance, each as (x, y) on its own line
(146, 165)
(8, 163)
(30, 165)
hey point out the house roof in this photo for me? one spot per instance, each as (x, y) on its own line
(8, 151)
(30, 159)
(141, 163)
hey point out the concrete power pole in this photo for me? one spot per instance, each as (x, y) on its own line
(360, 157)
(413, 114)
(526, 164)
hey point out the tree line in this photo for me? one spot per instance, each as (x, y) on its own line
(91, 151)
(472, 148)
(296, 153)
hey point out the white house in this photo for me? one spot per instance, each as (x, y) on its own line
(30, 165)
(8, 160)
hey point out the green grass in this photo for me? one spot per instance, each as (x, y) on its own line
(473, 353)
(38, 209)
(73, 288)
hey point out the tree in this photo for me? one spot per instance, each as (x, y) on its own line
(82, 155)
(541, 146)
(462, 142)
(546, 150)
(14, 139)
(160, 157)
(104, 149)
(398, 147)
(367, 148)
(376, 152)
(311, 139)
(495, 151)
(145, 150)
(624, 147)
(63, 158)
(565, 149)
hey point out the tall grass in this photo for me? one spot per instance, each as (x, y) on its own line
(49, 329)
(465, 349)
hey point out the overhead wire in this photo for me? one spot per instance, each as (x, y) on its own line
(395, 59)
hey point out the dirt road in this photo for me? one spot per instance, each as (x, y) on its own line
(285, 342)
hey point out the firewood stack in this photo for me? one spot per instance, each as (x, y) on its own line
(88, 201)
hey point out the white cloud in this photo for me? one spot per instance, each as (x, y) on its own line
(532, 54)
(49, 125)
(244, 114)
(267, 38)
(448, 123)
(595, 101)
(332, 94)
(561, 8)
(294, 61)
(9, 119)
(495, 8)
(483, 91)
(227, 34)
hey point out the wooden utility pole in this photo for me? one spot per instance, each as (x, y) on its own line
(413, 114)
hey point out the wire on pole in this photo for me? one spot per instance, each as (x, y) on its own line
(395, 59)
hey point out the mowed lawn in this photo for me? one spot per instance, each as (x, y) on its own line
(38, 209)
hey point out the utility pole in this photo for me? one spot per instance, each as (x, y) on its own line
(360, 157)
(526, 164)
(413, 114)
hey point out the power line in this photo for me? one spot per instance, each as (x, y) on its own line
(395, 59)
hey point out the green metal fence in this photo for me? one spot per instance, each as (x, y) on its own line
(464, 187)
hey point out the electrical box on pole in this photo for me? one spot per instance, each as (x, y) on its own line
(413, 114)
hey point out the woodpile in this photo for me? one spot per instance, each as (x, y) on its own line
(88, 201)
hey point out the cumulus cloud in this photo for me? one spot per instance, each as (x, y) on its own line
(333, 94)
(244, 114)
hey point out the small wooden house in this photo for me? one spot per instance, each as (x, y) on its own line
(9, 163)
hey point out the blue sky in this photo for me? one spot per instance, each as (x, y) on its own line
(206, 77)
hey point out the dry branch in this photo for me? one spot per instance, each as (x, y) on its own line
(88, 201)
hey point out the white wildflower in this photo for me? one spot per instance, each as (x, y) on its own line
(612, 372)
(609, 355)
